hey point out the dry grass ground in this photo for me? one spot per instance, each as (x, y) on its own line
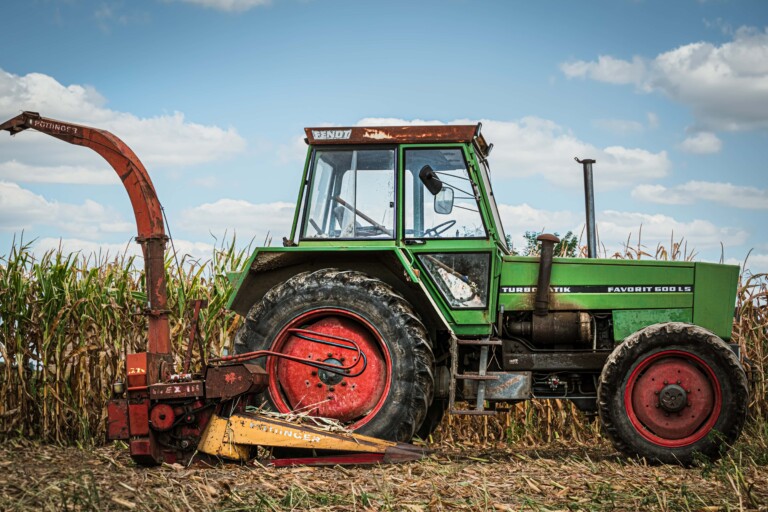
(66, 321)
(550, 477)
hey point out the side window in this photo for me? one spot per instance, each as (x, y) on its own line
(462, 278)
(352, 195)
(447, 208)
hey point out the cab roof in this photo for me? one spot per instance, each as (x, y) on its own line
(395, 135)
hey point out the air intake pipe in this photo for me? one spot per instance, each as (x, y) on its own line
(548, 241)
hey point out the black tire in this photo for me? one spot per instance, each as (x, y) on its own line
(433, 418)
(699, 415)
(328, 295)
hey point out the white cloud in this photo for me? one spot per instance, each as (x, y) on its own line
(535, 146)
(71, 174)
(22, 209)
(86, 248)
(102, 250)
(242, 218)
(660, 194)
(517, 219)
(113, 13)
(653, 120)
(607, 69)
(538, 146)
(702, 143)
(393, 121)
(755, 263)
(292, 153)
(229, 5)
(735, 196)
(614, 227)
(166, 140)
(726, 86)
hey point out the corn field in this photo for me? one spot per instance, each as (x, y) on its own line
(66, 321)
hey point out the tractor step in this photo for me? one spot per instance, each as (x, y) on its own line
(479, 376)
(489, 342)
(475, 376)
(473, 412)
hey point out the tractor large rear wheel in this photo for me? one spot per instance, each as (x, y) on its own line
(671, 393)
(389, 398)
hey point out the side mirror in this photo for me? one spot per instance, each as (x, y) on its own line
(430, 180)
(444, 201)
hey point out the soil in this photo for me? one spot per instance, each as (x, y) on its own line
(553, 477)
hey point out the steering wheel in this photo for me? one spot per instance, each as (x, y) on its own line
(435, 231)
(377, 227)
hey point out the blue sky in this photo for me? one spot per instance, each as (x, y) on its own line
(671, 98)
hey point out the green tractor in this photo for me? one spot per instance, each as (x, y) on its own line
(397, 245)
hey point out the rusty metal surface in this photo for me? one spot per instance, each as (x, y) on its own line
(255, 429)
(510, 386)
(144, 368)
(136, 370)
(556, 361)
(161, 417)
(146, 207)
(138, 417)
(391, 134)
(176, 390)
(548, 241)
(230, 381)
(117, 419)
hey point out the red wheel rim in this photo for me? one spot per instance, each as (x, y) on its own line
(351, 400)
(673, 398)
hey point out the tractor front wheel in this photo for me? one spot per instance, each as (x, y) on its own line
(389, 398)
(672, 391)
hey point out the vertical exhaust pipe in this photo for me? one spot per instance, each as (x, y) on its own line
(541, 306)
(589, 199)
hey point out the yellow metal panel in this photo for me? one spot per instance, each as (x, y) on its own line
(253, 429)
(232, 438)
(217, 440)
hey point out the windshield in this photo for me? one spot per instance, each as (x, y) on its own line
(351, 195)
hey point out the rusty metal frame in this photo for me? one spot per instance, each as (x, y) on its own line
(392, 134)
(146, 208)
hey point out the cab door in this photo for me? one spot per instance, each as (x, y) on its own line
(444, 227)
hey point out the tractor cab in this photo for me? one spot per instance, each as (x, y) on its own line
(422, 189)
(406, 184)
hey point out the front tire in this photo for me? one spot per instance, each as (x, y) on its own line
(389, 399)
(672, 392)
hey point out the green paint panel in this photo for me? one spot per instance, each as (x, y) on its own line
(524, 271)
(625, 322)
(715, 301)
(598, 301)
(599, 284)
(471, 330)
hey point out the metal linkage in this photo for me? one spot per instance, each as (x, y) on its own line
(310, 336)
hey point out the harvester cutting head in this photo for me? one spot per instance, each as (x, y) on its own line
(166, 416)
